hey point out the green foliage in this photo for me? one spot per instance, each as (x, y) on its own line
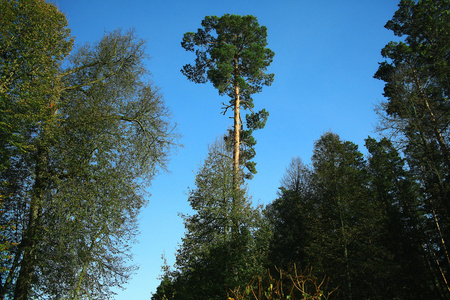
(355, 221)
(73, 167)
(417, 110)
(6, 247)
(211, 257)
(377, 227)
(343, 215)
(287, 215)
(231, 52)
(247, 141)
(398, 232)
(226, 45)
(34, 41)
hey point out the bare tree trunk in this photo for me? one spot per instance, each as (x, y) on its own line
(434, 123)
(236, 138)
(237, 128)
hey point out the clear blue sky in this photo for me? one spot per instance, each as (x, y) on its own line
(326, 52)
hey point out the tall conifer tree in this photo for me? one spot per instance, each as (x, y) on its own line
(417, 92)
(232, 53)
(343, 215)
(212, 259)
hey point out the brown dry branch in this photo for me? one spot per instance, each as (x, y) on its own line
(295, 285)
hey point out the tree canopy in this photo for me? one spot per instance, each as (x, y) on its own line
(231, 52)
(83, 131)
(213, 259)
(82, 137)
(416, 75)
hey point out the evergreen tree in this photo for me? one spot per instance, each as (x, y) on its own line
(288, 217)
(211, 260)
(231, 53)
(343, 217)
(399, 233)
(417, 91)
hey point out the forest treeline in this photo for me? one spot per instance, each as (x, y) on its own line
(345, 226)
(82, 131)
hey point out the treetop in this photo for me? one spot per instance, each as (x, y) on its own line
(231, 51)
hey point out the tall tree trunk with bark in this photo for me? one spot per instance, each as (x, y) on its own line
(237, 141)
(29, 244)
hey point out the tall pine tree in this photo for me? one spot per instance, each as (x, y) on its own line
(417, 92)
(232, 53)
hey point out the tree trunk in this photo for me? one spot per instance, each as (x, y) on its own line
(31, 235)
(237, 128)
(434, 123)
(236, 138)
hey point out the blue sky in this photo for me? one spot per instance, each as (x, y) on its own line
(326, 53)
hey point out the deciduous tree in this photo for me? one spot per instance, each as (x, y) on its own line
(34, 41)
(92, 135)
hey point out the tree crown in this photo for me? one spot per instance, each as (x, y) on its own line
(231, 51)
